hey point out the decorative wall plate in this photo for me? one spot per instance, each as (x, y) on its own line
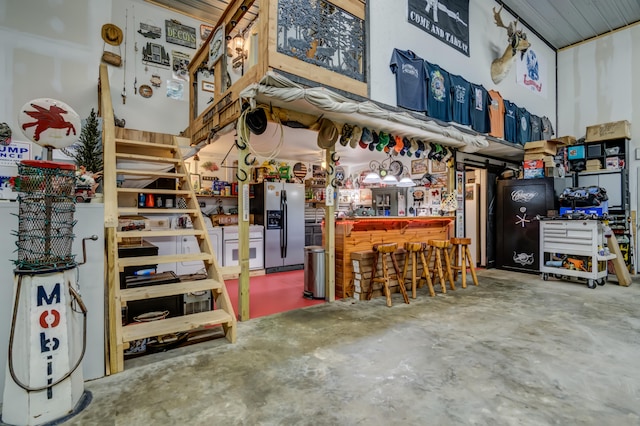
(155, 80)
(145, 91)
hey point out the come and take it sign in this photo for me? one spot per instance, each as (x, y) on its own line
(446, 20)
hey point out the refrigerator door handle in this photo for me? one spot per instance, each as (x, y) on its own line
(285, 235)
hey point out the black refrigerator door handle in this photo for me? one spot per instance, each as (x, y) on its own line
(285, 224)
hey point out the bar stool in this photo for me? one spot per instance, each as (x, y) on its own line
(460, 257)
(386, 249)
(413, 251)
(439, 250)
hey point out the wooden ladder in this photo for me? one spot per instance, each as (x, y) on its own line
(161, 153)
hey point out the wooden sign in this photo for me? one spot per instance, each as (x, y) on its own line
(177, 33)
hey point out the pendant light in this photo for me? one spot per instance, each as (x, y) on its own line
(390, 180)
(372, 178)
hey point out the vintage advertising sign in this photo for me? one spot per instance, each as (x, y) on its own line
(15, 152)
(531, 72)
(180, 34)
(446, 20)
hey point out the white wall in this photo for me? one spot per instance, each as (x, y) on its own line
(486, 42)
(53, 49)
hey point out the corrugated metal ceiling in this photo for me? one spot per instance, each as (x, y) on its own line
(560, 22)
(566, 22)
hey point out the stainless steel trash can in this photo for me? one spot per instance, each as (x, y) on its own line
(314, 277)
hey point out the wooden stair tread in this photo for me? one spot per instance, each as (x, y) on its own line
(146, 292)
(171, 258)
(149, 173)
(161, 233)
(183, 192)
(148, 158)
(173, 325)
(142, 144)
(161, 210)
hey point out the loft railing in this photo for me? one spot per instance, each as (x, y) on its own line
(322, 34)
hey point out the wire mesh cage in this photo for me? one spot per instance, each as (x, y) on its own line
(45, 215)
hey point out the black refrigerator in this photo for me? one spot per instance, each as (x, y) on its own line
(519, 201)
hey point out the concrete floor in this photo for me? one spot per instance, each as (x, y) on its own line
(514, 351)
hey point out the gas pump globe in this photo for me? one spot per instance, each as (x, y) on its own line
(47, 341)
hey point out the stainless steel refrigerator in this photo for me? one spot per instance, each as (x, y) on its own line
(280, 208)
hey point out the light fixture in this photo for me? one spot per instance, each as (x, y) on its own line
(390, 180)
(238, 45)
(372, 178)
(406, 180)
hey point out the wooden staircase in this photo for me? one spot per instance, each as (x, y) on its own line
(148, 152)
(149, 156)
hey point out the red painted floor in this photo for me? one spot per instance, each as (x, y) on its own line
(272, 293)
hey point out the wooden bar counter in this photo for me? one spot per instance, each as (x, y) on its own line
(361, 233)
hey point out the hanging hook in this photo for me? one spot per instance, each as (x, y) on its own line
(243, 178)
(334, 183)
(330, 169)
(249, 163)
(334, 157)
(240, 145)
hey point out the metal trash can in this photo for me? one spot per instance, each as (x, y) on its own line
(314, 277)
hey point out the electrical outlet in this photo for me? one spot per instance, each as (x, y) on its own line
(202, 204)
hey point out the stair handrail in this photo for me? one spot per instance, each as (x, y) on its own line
(108, 150)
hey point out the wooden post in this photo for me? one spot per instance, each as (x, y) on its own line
(244, 172)
(330, 228)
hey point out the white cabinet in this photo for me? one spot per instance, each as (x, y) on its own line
(188, 244)
(569, 248)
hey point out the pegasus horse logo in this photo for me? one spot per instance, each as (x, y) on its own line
(48, 119)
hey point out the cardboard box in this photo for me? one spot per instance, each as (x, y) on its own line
(133, 223)
(547, 147)
(533, 164)
(607, 131)
(565, 140)
(533, 173)
(535, 156)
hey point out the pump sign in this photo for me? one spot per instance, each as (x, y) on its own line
(14, 153)
(49, 318)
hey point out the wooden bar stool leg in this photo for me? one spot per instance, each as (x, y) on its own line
(385, 283)
(463, 265)
(438, 267)
(408, 257)
(426, 274)
(414, 273)
(447, 264)
(403, 290)
(471, 267)
(454, 256)
(374, 271)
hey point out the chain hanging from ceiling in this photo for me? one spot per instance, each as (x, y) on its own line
(320, 33)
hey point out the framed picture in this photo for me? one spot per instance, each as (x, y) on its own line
(418, 167)
(205, 30)
(196, 181)
(437, 166)
(208, 86)
(216, 46)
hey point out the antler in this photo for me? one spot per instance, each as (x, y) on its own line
(511, 29)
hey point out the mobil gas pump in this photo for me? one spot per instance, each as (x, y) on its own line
(44, 381)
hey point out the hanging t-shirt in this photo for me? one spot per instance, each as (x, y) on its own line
(547, 128)
(496, 114)
(535, 133)
(524, 133)
(460, 99)
(480, 109)
(438, 92)
(510, 120)
(411, 76)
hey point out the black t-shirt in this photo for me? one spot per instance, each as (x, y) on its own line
(480, 109)
(439, 92)
(411, 76)
(510, 120)
(460, 99)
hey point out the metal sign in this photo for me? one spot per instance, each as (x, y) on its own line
(180, 34)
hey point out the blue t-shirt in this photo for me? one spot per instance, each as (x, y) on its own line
(460, 99)
(438, 92)
(535, 133)
(510, 120)
(411, 76)
(524, 127)
(480, 109)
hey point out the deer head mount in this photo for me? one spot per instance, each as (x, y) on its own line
(517, 43)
